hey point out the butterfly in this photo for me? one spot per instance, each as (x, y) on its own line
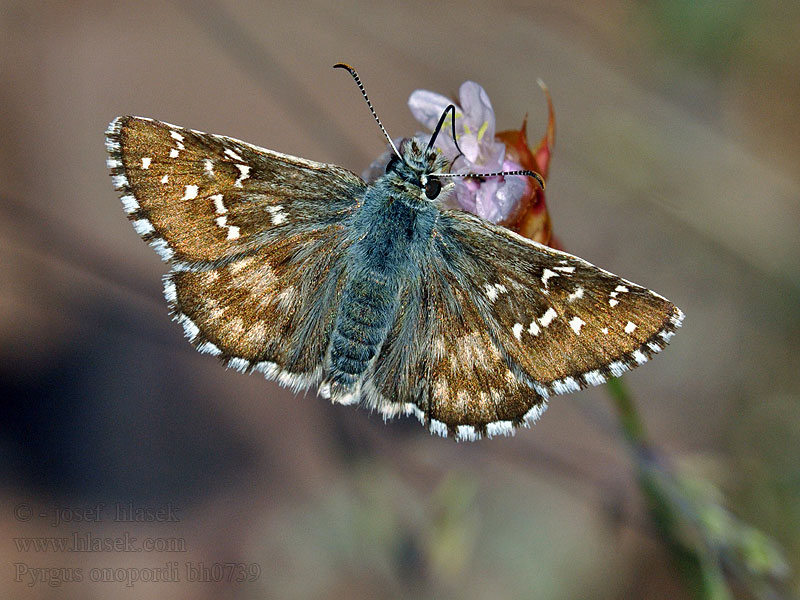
(376, 294)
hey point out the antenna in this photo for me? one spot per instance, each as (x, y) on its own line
(452, 110)
(539, 179)
(355, 76)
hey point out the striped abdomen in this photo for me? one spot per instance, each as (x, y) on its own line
(368, 305)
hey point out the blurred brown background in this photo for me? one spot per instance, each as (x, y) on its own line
(675, 166)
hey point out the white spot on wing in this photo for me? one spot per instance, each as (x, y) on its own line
(240, 364)
(143, 226)
(466, 433)
(565, 386)
(494, 290)
(278, 217)
(233, 155)
(548, 317)
(160, 245)
(621, 288)
(640, 357)
(189, 328)
(165, 179)
(576, 323)
(174, 153)
(565, 269)
(594, 378)
(146, 162)
(244, 173)
(438, 428)
(499, 428)
(170, 293)
(129, 203)
(416, 411)
(218, 205)
(630, 327)
(286, 297)
(176, 136)
(577, 294)
(534, 413)
(190, 193)
(533, 329)
(613, 302)
(119, 181)
(233, 230)
(209, 166)
(548, 274)
(517, 330)
(209, 348)
(617, 368)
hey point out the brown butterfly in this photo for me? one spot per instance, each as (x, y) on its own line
(377, 294)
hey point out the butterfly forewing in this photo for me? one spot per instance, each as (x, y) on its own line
(496, 324)
(201, 198)
(256, 238)
(563, 323)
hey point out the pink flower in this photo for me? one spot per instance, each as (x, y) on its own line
(494, 198)
(514, 201)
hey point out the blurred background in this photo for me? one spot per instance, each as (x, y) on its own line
(675, 166)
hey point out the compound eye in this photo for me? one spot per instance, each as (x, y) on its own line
(432, 188)
(391, 164)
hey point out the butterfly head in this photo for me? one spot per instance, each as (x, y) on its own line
(419, 169)
(415, 166)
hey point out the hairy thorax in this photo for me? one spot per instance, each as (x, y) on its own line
(391, 233)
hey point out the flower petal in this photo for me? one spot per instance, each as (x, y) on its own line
(465, 193)
(427, 107)
(478, 112)
(508, 197)
(471, 149)
(486, 201)
(492, 159)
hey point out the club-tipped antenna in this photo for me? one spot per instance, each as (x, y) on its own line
(539, 179)
(357, 79)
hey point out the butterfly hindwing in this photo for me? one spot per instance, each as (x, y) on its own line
(201, 198)
(272, 310)
(441, 365)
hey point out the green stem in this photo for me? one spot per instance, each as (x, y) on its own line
(631, 423)
(702, 576)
